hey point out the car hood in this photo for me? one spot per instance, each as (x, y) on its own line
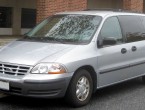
(30, 53)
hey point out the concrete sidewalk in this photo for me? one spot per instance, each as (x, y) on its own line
(8, 38)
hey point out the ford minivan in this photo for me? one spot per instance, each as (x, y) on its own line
(72, 54)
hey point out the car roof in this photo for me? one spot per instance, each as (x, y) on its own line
(102, 13)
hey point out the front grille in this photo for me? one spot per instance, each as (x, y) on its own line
(15, 90)
(12, 69)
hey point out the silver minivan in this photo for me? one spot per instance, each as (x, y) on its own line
(72, 54)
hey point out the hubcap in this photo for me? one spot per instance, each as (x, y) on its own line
(82, 88)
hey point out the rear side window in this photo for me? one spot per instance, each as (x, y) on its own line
(132, 27)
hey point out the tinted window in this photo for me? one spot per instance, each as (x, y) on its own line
(132, 28)
(111, 28)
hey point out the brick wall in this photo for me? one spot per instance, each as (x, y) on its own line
(135, 5)
(46, 8)
(74, 5)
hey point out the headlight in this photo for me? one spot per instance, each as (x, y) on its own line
(48, 68)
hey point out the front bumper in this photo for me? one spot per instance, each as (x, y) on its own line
(40, 86)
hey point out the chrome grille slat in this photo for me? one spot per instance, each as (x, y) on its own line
(20, 72)
(8, 67)
(13, 69)
(23, 69)
(7, 71)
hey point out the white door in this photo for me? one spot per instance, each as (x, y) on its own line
(113, 58)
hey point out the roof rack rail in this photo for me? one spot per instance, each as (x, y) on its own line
(113, 10)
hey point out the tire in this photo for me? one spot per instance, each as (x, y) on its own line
(80, 89)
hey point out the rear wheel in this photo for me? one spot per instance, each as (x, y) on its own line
(80, 89)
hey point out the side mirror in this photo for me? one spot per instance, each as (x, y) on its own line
(106, 41)
(109, 41)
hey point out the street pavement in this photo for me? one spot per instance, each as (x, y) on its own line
(125, 96)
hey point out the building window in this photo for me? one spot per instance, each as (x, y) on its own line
(5, 17)
(28, 18)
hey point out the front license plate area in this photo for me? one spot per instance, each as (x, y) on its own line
(4, 85)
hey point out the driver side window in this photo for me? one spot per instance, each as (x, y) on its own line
(112, 30)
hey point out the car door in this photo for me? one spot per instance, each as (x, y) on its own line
(133, 27)
(113, 59)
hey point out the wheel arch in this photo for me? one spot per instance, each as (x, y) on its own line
(93, 74)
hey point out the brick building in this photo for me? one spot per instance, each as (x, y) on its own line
(48, 7)
(18, 16)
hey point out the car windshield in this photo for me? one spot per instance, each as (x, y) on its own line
(65, 29)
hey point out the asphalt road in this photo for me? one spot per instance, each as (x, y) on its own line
(125, 96)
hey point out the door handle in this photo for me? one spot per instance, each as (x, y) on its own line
(123, 50)
(134, 48)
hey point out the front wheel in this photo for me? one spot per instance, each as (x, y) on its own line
(80, 89)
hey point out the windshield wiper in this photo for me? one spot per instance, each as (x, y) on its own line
(43, 39)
